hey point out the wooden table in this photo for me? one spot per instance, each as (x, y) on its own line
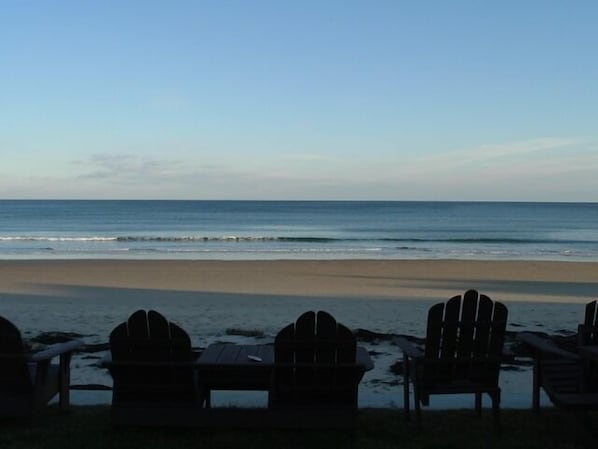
(225, 366)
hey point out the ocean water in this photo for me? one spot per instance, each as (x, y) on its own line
(297, 230)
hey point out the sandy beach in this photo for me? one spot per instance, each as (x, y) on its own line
(537, 281)
(208, 298)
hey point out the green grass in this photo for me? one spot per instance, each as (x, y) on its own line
(89, 427)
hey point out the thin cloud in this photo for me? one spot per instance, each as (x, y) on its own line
(128, 168)
(491, 156)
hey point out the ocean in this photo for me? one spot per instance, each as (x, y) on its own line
(249, 230)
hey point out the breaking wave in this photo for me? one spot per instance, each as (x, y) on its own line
(306, 239)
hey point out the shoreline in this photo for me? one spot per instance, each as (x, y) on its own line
(527, 281)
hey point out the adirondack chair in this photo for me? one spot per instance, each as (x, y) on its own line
(587, 332)
(154, 372)
(28, 381)
(463, 352)
(570, 381)
(315, 372)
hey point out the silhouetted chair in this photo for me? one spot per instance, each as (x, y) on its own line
(155, 373)
(315, 372)
(587, 332)
(28, 381)
(569, 379)
(463, 352)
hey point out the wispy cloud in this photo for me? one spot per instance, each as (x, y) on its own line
(522, 156)
(128, 168)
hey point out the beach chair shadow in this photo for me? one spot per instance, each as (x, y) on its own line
(462, 354)
(154, 370)
(28, 381)
(315, 377)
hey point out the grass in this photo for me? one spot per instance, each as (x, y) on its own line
(89, 427)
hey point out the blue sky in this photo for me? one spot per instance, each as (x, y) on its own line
(405, 100)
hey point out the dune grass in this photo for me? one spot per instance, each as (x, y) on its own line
(89, 427)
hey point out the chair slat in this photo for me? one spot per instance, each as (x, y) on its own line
(468, 314)
(305, 329)
(497, 334)
(482, 334)
(450, 328)
(434, 330)
(325, 329)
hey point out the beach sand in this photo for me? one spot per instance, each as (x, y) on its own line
(90, 297)
(410, 279)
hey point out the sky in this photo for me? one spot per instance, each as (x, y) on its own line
(326, 99)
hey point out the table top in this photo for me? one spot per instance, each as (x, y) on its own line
(247, 356)
(238, 355)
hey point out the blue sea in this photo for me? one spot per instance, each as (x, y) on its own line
(32, 229)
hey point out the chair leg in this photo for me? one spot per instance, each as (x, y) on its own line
(406, 387)
(417, 405)
(536, 386)
(496, 408)
(478, 404)
(64, 381)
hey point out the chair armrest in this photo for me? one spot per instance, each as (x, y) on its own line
(408, 347)
(545, 346)
(362, 357)
(106, 360)
(56, 350)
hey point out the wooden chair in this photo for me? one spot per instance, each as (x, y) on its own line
(569, 381)
(463, 352)
(155, 373)
(315, 377)
(28, 381)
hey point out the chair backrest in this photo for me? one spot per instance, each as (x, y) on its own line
(149, 336)
(144, 346)
(588, 331)
(14, 372)
(464, 340)
(315, 362)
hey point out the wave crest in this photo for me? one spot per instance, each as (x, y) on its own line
(305, 239)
